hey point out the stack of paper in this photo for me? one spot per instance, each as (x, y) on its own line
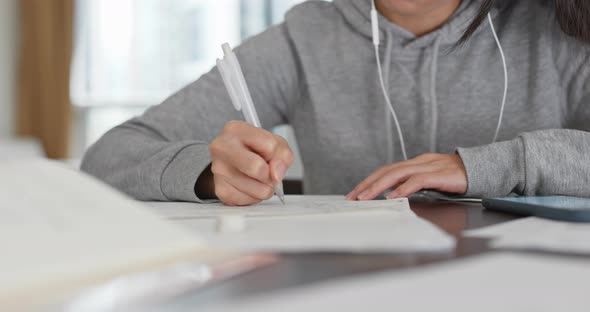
(61, 230)
(538, 234)
(315, 223)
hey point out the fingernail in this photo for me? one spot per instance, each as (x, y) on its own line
(392, 195)
(364, 195)
(280, 172)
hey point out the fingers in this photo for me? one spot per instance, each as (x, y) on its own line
(243, 183)
(417, 183)
(269, 146)
(362, 187)
(249, 159)
(430, 171)
(244, 161)
(367, 182)
(391, 179)
(283, 159)
(229, 195)
(258, 140)
(251, 149)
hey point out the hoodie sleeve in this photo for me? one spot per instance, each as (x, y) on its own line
(547, 162)
(160, 155)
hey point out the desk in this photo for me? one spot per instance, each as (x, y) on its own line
(304, 269)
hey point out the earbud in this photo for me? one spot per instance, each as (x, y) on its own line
(375, 24)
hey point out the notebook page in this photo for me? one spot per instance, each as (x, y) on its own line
(294, 205)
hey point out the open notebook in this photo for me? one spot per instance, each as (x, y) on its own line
(61, 231)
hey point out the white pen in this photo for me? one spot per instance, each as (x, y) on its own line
(235, 83)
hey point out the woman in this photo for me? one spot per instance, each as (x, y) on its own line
(445, 75)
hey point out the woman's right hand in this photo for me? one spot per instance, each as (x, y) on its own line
(247, 162)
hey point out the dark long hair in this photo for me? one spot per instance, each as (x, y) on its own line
(573, 17)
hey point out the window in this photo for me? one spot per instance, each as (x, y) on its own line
(131, 54)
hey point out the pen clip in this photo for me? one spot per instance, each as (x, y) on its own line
(229, 85)
(237, 85)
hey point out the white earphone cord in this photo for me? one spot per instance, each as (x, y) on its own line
(497, 133)
(376, 42)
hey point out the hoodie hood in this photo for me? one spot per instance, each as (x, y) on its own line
(357, 13)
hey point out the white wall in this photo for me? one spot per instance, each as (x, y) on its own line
(8, 64)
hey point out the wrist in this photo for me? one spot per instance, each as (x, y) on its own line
(205, 186)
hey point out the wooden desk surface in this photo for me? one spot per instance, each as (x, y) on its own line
(303, 269)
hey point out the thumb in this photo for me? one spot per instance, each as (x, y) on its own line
(278, 169)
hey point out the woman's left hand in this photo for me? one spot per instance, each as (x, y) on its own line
(441, 172)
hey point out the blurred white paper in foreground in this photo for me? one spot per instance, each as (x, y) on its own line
(62, 231)
(496, 282)
(315, 224)
(538, 234)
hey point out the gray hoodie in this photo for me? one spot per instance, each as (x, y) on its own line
(317, 72)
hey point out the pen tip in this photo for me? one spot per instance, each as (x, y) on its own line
(280, 193)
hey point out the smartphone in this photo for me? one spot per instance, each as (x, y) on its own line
(562, 208)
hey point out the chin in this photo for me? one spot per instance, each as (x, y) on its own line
(410, 7)
(402, 6)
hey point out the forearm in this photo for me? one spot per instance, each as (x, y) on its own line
(146, 166)
(162, 154)
(545, 162)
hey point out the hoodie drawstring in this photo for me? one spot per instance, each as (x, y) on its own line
(388, 121)
(433, 96)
